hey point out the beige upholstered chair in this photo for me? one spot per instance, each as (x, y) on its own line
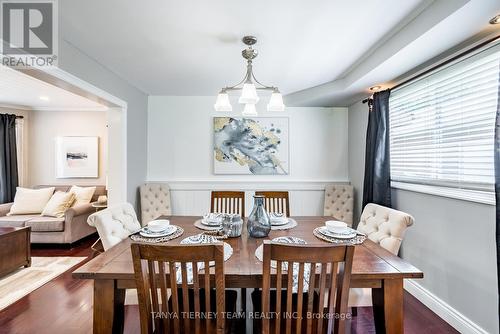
(339, 202)
(386, 227)
(155, 201)
(114, 224)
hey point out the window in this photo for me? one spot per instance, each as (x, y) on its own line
(442, 129)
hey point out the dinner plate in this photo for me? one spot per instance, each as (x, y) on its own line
(279, 222)
(209, 223)
(145, 232)
(349, 235)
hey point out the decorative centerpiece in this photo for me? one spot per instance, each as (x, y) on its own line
(232, 225)
(258, 224)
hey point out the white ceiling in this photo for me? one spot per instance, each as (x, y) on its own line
(19, 90)
(319, 52)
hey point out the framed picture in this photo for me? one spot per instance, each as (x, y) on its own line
(77, 157)
(251, 145)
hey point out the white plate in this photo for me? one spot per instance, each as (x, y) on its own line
(323, 230)
(145, 232)
(209, 223)
(279, 222)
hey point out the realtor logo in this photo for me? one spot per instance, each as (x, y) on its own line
(28, 33)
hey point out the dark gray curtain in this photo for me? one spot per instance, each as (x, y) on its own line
(497, 185)
(377, 183)
(8, 158)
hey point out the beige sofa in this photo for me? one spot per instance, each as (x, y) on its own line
(66, 230)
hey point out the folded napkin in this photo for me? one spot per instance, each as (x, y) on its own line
(277, 218)
(214, 218)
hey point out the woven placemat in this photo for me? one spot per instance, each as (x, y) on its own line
(178, 232)
(291, 224)
(202, 226)
(359, 239)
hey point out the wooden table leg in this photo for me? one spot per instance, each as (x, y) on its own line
(388, 307)
(109, 307)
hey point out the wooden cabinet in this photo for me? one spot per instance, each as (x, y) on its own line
(15, 249)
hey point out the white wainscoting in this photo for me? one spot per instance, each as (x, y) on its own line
(193, 197)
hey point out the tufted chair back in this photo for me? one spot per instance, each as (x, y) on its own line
(155, 201)
(385, 226)
(114, 224)
(339, 202)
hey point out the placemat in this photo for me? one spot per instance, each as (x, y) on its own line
(295, 267)
(285, 240)
(359, 239)
(178, 232)
(202, 226)
(291, 224)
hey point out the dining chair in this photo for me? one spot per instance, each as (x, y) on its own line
(339, 202)
(114, 224)
(276, 201)
(228, 202)
(155, 201)
(328, 277)
(187, 301)
(386, 227)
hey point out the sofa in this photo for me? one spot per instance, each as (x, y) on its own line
(66, 230)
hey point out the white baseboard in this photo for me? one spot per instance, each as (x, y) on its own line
(456, 319)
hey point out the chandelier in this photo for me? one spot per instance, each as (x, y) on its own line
(249, 86)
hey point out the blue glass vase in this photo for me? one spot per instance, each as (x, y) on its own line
(258, 223)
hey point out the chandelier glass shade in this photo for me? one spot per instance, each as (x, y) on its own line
(248, 87)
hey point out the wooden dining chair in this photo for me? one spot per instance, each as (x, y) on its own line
(276, 201)
(153, 267)
(329, 278)
(228, 202)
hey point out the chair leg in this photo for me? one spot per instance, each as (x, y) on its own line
(354, 311)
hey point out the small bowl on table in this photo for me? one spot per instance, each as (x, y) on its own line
(158, 225)
(336, 226)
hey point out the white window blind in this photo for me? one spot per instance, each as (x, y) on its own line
(442, 125)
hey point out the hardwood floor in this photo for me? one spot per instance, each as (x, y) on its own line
(64, 305)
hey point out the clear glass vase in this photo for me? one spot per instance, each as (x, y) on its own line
(258, 223)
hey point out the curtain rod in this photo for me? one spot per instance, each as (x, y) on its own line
(433, 68)
(17, 116)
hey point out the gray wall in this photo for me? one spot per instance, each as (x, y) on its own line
(452, 241)
(82, 66)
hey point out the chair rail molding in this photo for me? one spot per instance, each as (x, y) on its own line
(192, 197)
(248, 185)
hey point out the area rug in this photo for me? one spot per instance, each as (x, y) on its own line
(25, 280)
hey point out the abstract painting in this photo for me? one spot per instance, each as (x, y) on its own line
(257, 145)
(77, 157)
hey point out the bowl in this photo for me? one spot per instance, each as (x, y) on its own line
(336, 226)
(158, 225)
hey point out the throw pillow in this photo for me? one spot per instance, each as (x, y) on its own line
(83, 195)
(30, 201)
(58, 204)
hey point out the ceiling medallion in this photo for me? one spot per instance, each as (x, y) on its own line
(249, 86)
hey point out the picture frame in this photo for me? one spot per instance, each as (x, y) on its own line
(251, 145)
(77, 157)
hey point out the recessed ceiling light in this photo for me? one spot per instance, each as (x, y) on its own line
(44, 98)
(375, 88)
(495, 20)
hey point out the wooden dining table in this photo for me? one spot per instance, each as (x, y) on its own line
(373, 267)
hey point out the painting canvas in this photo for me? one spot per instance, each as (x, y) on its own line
(77, 157)
(257, 145)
